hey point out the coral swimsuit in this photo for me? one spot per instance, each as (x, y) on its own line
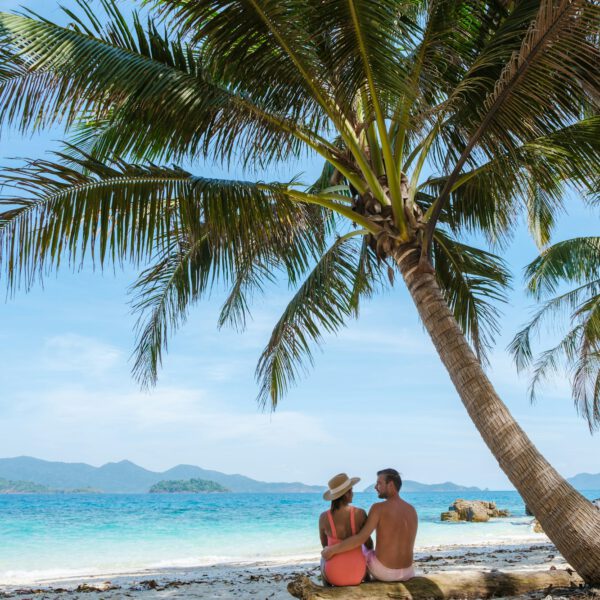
(347, 568)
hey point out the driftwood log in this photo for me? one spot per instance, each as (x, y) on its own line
(443, 585)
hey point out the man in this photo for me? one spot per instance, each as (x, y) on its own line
(395, 522)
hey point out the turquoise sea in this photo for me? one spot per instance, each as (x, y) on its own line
(53, 536)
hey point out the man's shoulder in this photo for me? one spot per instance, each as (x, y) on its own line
(377, 506)
(410, 509)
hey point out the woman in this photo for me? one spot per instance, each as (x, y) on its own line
(336, 524)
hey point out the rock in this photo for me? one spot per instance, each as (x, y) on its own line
(528, 512)
(596, 503)
(477, 514)
(476, 511)
(450, 515)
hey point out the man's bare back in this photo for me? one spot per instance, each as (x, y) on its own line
(395, 522)
(396, 532)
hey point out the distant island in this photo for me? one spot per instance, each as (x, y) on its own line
(8, 486)
(125, 477)
(188, 486)
(414, 486)
(22, 487)
(585, 481)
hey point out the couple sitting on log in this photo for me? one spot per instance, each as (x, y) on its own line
(348, 556)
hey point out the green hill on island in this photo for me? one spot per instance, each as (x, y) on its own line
(22, 487)
(188, 486)
(8, 486)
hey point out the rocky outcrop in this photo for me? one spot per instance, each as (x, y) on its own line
(596, 503)
(476, 511)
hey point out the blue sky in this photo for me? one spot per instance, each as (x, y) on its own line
(378, 395)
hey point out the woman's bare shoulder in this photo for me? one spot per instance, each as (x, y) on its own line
(361, 516)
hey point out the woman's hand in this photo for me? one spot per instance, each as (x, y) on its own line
(328, 552)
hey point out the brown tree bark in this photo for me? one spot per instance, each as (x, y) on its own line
(443, 586)
(569, 519)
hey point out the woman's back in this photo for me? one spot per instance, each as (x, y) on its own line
(347, 568)
(342, 522)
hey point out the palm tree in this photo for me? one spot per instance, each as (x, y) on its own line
(497, 98)
(575, 262)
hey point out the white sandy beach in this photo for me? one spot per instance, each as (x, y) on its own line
(269, 580)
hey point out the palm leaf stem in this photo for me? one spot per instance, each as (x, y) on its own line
(352, 234)
(344, 127)
(400, 120)
(423, 153)
(392, 176)
(371, 135)
(340, 209)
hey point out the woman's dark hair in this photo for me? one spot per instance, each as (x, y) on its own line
(335, 504)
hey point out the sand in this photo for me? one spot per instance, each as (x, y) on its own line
(268, 581)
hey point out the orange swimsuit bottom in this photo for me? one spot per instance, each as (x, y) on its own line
(346, 568)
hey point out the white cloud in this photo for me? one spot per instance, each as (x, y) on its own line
(169, 412)
(76, 353)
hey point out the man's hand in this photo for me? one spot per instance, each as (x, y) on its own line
(328, 552)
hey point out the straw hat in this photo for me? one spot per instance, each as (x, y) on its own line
(339, 485)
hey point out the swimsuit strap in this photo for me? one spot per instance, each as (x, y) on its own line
(332, 524)
(352, 522)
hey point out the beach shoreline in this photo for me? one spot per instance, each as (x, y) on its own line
(269, 579)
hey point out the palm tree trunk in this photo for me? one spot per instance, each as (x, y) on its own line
(569, 519)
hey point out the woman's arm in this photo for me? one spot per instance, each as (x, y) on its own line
(356, 540)
(322, 533)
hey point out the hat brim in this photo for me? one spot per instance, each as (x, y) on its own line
(349, 484)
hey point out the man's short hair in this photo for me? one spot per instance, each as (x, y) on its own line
(393, 476)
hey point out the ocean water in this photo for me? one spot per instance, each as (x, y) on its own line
(52, 536)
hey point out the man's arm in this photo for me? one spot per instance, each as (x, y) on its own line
(356, 540)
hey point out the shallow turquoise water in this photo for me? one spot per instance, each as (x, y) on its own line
(60, 535)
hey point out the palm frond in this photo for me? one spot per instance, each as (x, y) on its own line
(137, 82)
(292, 251)
(124, 210)
(574, 260)
(546, 56)
(550, 361)
(260, 40)
(586, 376)
(547, 80)
(450, 35)
(488, 199)
(164, 294)
(471, 280)
(327, 298)
(553, 308)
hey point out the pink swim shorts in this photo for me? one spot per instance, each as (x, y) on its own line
(383, 573)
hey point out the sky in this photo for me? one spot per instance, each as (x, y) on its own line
(378, 395)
